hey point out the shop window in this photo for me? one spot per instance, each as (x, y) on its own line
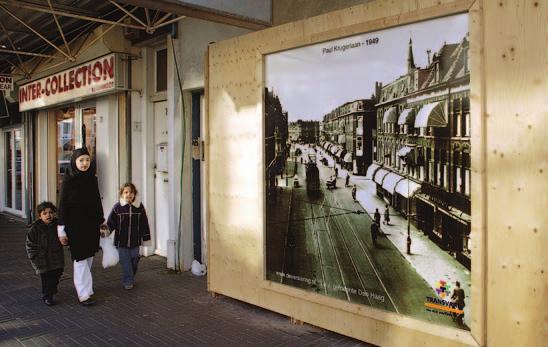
(466, 243)
(65, 140)
(431, 176)
(459, 180)
(438, 174)
(466, 182)
(161, 70)
(466, 122)
(9, 169)
(445, 177)
(466, 117)
(89, 120)
(13, 161)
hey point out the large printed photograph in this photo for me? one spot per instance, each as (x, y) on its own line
(367, 169)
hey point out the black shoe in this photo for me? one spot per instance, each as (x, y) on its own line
(49, 301)
(87, 302)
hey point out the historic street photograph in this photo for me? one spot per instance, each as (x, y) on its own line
(367, 169)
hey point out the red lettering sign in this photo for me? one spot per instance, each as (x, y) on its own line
(97, 76)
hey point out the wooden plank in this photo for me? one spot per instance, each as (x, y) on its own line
(479, 177)
(516, 108)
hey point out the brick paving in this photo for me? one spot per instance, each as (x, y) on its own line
(164, 309)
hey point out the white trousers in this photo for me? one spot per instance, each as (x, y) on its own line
(83, 282)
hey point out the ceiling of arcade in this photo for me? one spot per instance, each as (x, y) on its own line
(35, 32)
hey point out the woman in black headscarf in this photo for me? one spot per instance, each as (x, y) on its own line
(80, 216)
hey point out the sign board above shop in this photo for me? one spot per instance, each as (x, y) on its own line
(6, 83)
(99, 76)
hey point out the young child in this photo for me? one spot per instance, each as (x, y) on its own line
(45, 251)
(128, 219)
(80, 218)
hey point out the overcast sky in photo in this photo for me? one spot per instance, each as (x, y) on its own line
(311, 81)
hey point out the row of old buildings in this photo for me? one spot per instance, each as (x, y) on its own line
(412, 139)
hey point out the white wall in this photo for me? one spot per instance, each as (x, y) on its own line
(107, 150)
(142, 135)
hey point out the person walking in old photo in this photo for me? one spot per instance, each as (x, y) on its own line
(347, 182)
(386, 215)
(377, 216)
(80, 218)
(458, 299)
(374, 233)
(354, 189)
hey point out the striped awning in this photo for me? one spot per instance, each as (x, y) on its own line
(390, 181)
(379, 175)
(407, 116)
(371, 171)
(431, 115)
(390, 115)
(407, 188)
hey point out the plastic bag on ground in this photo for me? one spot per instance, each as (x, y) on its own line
(197, 269)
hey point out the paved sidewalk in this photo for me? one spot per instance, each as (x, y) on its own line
(430, 261)
(164, 309)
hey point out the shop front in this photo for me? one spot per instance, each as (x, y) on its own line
(426, 217)
(79, 106)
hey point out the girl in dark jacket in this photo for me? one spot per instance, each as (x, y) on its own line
(128, 219)
(80, 218)
(45, 251)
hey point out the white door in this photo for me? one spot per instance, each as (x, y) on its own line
(14, 170)
(161, 178)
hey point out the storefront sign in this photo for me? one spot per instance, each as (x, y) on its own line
(6, 82)
(95, 77)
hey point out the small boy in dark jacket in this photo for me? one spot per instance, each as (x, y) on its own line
(128, 219)
(45, 251)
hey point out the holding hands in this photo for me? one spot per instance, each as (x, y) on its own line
(105, 231)
(62, 235)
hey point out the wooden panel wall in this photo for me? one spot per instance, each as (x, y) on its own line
(509, 105)
(516, 109)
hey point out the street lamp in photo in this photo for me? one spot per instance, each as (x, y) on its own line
(405, 164)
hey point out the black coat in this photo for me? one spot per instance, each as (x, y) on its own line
(130, 224)
(81, 212)
(43, 247)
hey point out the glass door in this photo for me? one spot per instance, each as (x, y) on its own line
(65, 119)
(14, 169)
(69, 135)
(89, 120)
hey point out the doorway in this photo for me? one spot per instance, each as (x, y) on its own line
(197, 111)
(14, 168)
(161, 186)
(69, 121)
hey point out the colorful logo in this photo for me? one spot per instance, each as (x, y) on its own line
(443, 289)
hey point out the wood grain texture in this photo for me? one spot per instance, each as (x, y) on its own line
(516, 107)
